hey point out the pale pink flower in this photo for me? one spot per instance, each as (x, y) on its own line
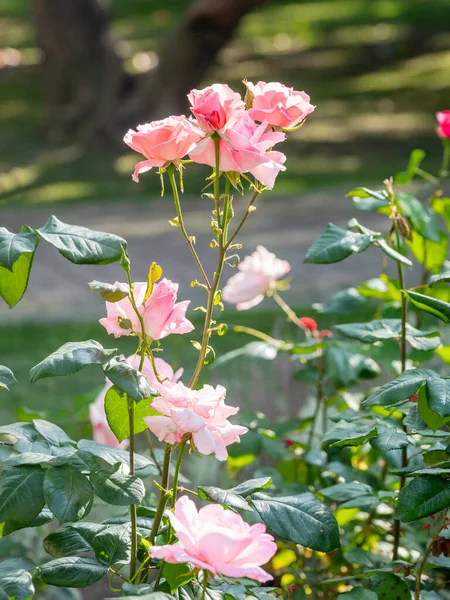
(203, 413)
(257, 275)
(245, 148)
(101, 432)
(161, 313)
(278, 105)
(162, 142)
(218, 541)
(216, 107)
(443, 119)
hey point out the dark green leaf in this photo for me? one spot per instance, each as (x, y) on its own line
(301, 519)
(144, 466)
(177, 575)
(389, 251)
(80, 245)
(389, 438)
(366, 199)
(109, 292)
(68, 494)
(442, 276)
(335, 244)
(116, 408)
(52, 433)
(15, 582)
(118, 488)
(342, 492)
(113, 544)
(6, 377)
(358, 593)
(423, 496)
(21, 494)
(225, 497)
(72, 571)
(422, 219)
(71, 358)
(127, 378)
(390, 586)
(350, 434)
(346, 368)
(13, 245)
(344, 302)
(72, 539)
(388, 329)
(431, 305)
(396, 391)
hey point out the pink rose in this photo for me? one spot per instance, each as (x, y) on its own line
(218, 541)
(443, 119)
(160, 312)
(278, 105)
(258, 273)
(216, 107)
(101, 431)
(162, 142)
(203, 413)
(245, 150)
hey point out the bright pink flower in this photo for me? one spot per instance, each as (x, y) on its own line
(245, 150)
(218, 541)
(278, 105)
(258, 274)
(101, 430)
(161, 314)
(414, 397)
(216, 107)
(308, 323)
(162, 142)
(443, 119)
(203, 413)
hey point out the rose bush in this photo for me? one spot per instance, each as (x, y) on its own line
(349, 499)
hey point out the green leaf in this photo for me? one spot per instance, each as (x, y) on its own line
(226, 497)
(72, 539)
(177, 575)
(346, 368)
(80, 245)
(389, 251)
(16, 258)
(358, 593)
(15, 581)
(415, 158)
(390, 586)
(431, 305)
(366, 199)
(72, 571)
(344, 302)
(68, 494)
(21, 495)
(335, 244)
(112, 545)
(109, 292)
(301, 519)
(52, 433)
(430, 254)
(422, 497)
(349, 434)
(389, 329)
(261, 350)
(71, 358)
(6, 377)
(389, 438)
(342, 492)
(422, 219)
(442, 276)
(138, 589)
(116, 408)
(144, 466)
(396, 391)
(118, 488)
(128, 379)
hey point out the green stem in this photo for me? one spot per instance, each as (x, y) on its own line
(420, 569)
(226, 203)
(445, 160)
(244, 218)
(177, 473)
(396, 530)
(133, 515)
(204, 584)
(176, 197)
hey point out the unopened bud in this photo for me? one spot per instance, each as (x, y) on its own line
(124, 323)
(403, 227)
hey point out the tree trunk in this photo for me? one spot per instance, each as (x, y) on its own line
(89, 94)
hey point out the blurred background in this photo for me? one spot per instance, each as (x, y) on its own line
(76, 74)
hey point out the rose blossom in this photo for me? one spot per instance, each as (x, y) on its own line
(203, 413)
(218, 541)
(443, 119)
(308, 323)
(162, 142)
(160, 312)
(258, 273)
(216, 107)
(278, 105)
(102, 433)
(245, 149)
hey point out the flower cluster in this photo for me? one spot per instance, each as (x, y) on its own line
(201, 413)
(101, 430)
(161, 314)
(258, 274)
(218, 541)
(246, 137)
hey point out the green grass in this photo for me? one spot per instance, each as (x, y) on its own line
(376, 69)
